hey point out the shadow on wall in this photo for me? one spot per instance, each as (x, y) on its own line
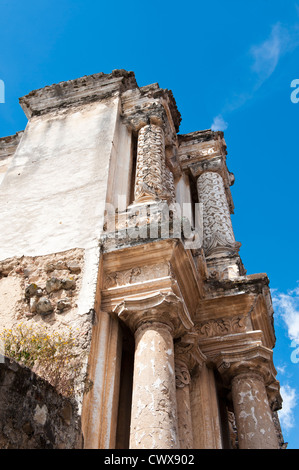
(32, 414)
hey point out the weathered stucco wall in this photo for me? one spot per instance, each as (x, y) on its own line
(53, 194)
(40, 295)
(53, 189)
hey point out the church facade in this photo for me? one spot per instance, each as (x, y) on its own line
(117, 227)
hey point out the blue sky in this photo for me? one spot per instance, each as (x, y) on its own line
(230, 66)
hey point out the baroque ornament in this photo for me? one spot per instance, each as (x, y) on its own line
(217, 226)
(221, 327)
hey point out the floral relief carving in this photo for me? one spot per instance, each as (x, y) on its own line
(221, 327)
(134, 275)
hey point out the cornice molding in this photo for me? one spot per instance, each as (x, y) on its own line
(163, 265)
(82, 90)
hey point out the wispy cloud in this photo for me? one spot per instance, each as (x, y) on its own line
(267, 54)
(286, 414)
(264, 58)
(287, 307)
(281, 369)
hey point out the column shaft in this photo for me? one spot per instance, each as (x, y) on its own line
(217, 226)
(154, 414)
(253, 414)
(150, 167)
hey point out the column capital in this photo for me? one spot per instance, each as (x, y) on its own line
(159, 307)
(216, 165)
(255, 360)
(187, 356)
(153, 114)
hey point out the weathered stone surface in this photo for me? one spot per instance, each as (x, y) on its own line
(32, 414)
(63, 304)
(44, 306)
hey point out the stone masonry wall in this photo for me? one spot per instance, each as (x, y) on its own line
(32, 414)
(42, 293)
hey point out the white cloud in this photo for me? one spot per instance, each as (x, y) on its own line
(286, 415)
(281, 369)
(287, 307)
(219, 124)
(267, 54)
(265, 58)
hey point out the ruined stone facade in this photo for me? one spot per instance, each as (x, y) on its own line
(118, 227)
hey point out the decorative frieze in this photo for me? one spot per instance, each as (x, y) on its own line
(136, 274)
(221, 326)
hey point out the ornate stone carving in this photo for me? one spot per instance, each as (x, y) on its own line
(187, 356)
(154, 180)
(134, 275)
(222, 326)
(169, 184)
(217, 226)
(182, 375)
(150, 163)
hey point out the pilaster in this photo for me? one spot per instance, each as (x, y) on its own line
(187, 357)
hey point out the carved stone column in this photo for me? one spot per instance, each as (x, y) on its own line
(218, 235)
(254, 421)
(150, 167)
(154, 414)
(187, 356)
(249, 372)
(155, 320)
